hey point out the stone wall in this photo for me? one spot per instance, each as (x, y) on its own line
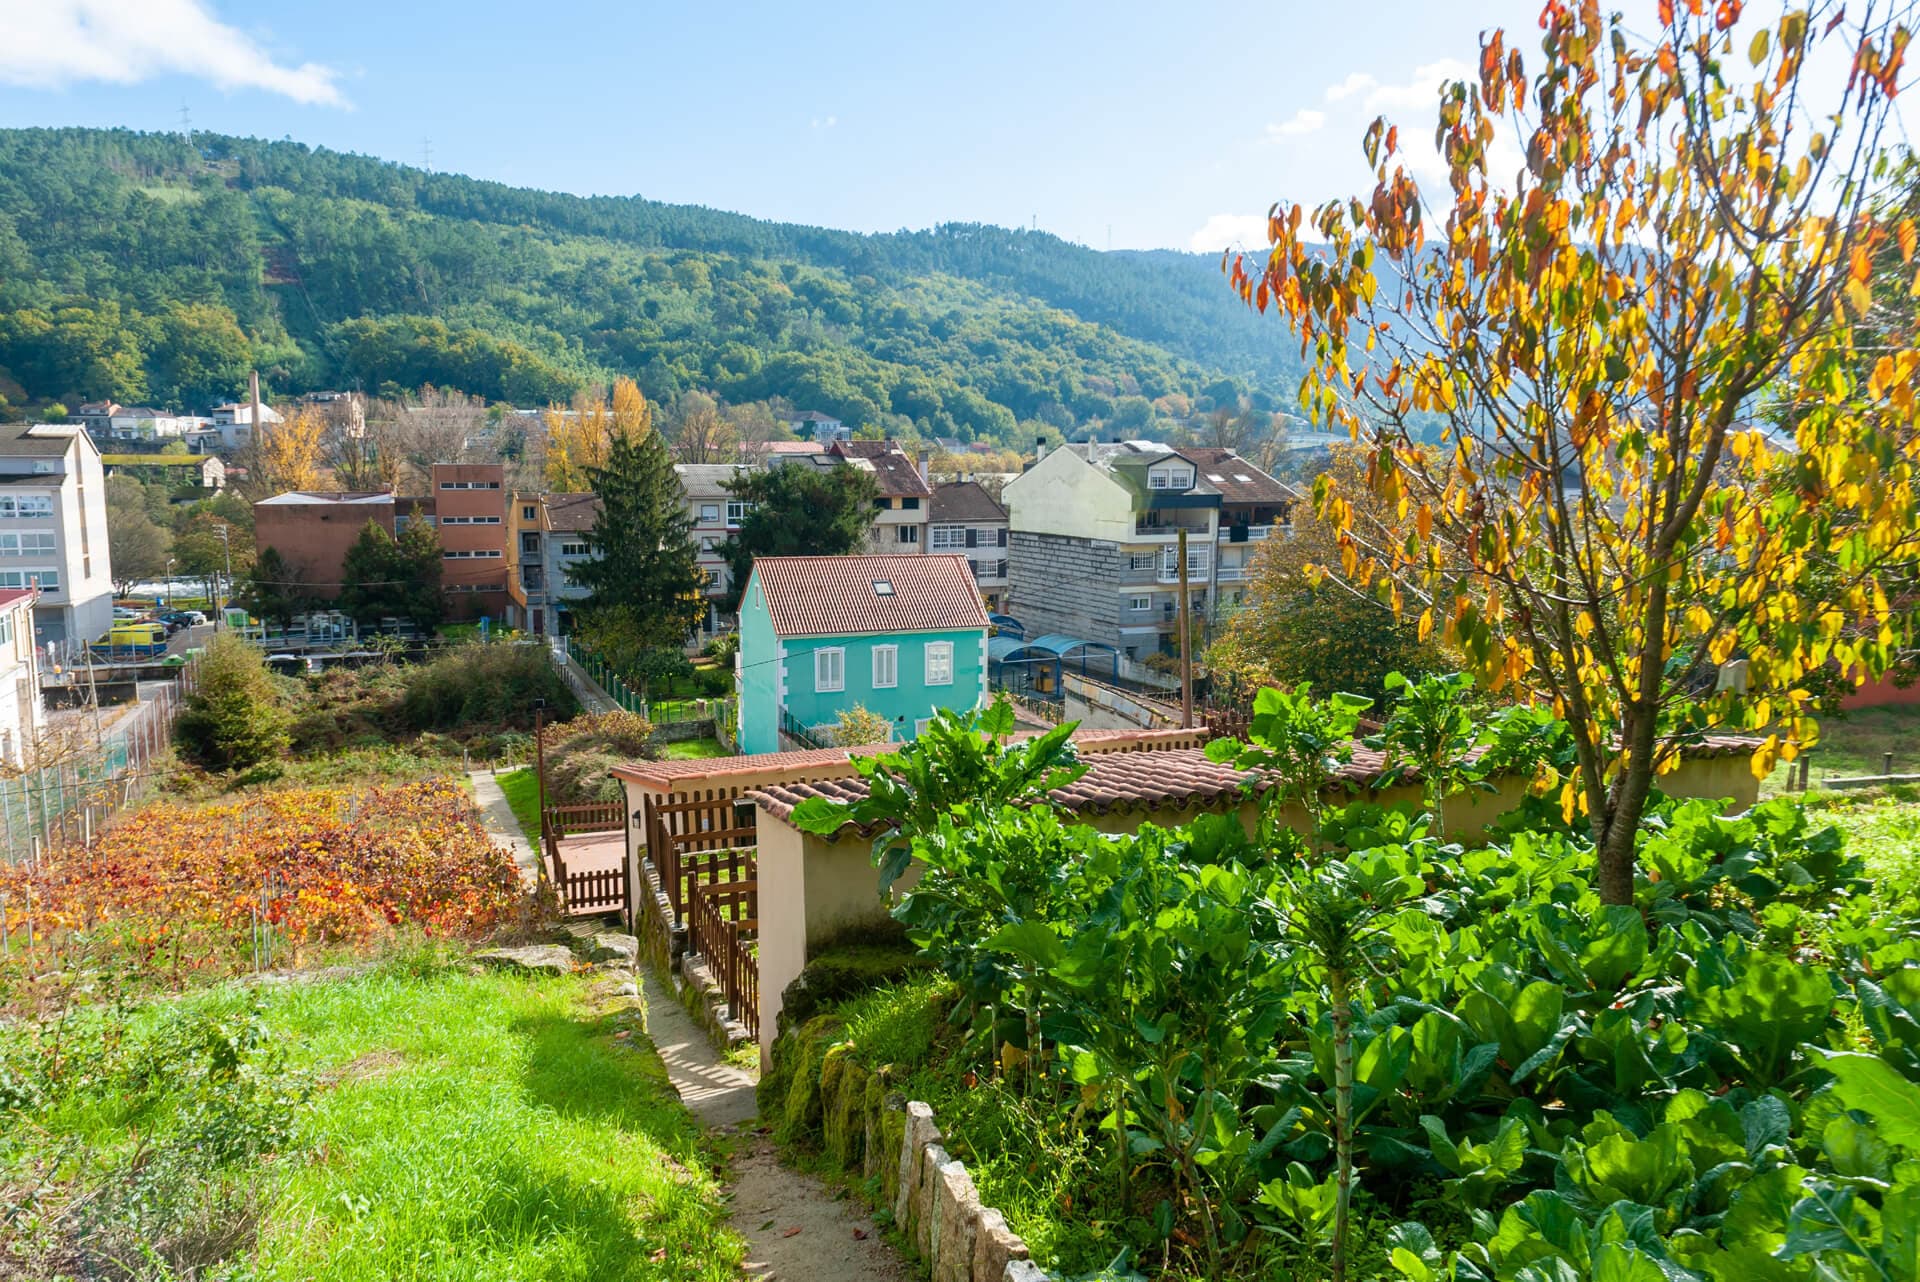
(682, 731)
(870, 1132)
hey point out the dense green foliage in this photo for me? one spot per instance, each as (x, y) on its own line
(234, 718)
(1719, 1082)
(140, 267)
(490, 686)
(384, 577)
(797, 511)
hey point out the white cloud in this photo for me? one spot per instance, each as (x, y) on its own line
(1353, 84)
(1230, 231)
(51, 44)
(1304, 121)
(824, 122)
(1423, 91)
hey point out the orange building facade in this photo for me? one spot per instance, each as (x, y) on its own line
(470, 508)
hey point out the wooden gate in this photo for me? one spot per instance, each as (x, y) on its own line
(701, 848)
(587, 891)
(724, 929)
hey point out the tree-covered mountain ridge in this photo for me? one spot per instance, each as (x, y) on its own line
(147, 267)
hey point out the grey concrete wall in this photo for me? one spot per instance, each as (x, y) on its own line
(1069, 585)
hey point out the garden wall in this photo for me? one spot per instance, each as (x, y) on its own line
(818, 1092)
(682, 731)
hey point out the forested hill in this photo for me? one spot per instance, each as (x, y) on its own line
(144, 268)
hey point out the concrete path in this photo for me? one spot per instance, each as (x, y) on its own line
(497, 817)
(584, 687)
(797, 1228)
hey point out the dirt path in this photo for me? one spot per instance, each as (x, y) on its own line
(797, 1228)
(502, 825)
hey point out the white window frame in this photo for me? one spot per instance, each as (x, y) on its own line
(710, 513)
(943, 651)
(947, 536)
(1139, 603)
(886, 676)
(736, 512)
(1170, 562)
(921, 725)
(837, 682)
(1148, 561)
(909, 534)
(576, 549)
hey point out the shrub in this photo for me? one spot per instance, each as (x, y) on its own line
(860, 724)
(491, 685)
(234, 719)
(582, 753)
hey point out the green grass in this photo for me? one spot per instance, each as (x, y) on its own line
(523, 794)
(692, 749)
(1883, 828)
(1857, 744)
(458, 1127)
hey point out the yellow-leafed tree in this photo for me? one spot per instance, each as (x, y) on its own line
(1681, 247)
(579, 441)
(287, 455)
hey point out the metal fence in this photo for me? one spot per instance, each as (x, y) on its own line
(70, 801)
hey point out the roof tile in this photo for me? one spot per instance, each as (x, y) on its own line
(823, 596)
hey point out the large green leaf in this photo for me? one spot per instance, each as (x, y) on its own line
(1617, 949)
(1031, 941)
(1871, 1085)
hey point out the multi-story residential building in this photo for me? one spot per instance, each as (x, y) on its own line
(312, 530)
(547, 534)
(53, 531)
(900, 636)
(19, 677)
(1094, 533)
(900, 513)
(569, 532)
(234, 423)
(716, 514)
(814, 425)
(963, 517)
(471, 510)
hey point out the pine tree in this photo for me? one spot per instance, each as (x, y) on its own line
(418, 564)
(644, 579)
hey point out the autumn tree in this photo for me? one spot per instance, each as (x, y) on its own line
(1687, 235)
(581, 440)
(287, 455)
(137, 546)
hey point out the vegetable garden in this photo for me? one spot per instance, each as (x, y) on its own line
(1362, 1051)
(178, 891)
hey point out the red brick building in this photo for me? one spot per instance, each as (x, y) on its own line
(470, 508)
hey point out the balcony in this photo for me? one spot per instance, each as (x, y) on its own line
(1231, 574)
(533, 578)
(1154, 527)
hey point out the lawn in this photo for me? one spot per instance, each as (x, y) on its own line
(419, 1121)
(523, 794)
(692, 749)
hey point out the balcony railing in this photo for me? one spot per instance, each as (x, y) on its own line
(1253, 533)
(1155, 530)
(1231, 574)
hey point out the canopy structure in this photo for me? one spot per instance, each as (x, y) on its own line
(1035, 667)
(1007, 626)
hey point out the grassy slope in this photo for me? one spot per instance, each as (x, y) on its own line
(692, 749)
(471, 1127)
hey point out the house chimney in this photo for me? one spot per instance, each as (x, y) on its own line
(1039, 448)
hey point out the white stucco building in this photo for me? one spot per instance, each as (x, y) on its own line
(53, 531)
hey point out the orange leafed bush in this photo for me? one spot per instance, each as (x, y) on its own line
(179, 884)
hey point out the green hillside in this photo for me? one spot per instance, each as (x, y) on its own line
(144, 268)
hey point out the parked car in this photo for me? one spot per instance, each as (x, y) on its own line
(182, 618)
(128, 614)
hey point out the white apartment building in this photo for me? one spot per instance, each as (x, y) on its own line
(716, 515)
(19, 677)
(53, 531)
(234, 422)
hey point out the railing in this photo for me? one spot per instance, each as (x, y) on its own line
(1230, 574)
(586, 816)
(724, 930)
(1249, 533)
(1148, 530)
(606, 678)
(1046, 710)
(791, 727)
(695, 843)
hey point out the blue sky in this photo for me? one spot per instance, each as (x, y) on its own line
(1169, 124)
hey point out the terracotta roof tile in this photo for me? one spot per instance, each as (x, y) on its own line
(668, 773)
(1237, 480)
(824, 596)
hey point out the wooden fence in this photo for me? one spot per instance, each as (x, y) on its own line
(587, 816)
(723, 930)
(695, 842)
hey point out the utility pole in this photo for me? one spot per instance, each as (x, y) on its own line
(1186, 641)
(226, 545)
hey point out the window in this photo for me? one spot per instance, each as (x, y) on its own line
(484, 554)
(469, 520)
(886, 667)
(939, 663)
(6, 629)
(910, 504)
(1196, 563)
(1141, 561)
(1139, 603)
(1170, 478)
(883, 587)
(830, 670)
(947, 536)
(530, 545)
(908, 533)
(43, 466)
(26, 509)
(527, 513)
(26, 545)
(49, 579)
(883, 505)
(736, 512)
(921, 725)
(710, 512)
(574, 549)
(469, 485)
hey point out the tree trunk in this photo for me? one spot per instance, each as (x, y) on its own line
(1342, 1014)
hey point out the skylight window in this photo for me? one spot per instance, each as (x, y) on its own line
(1216, 478)
(1240, 476)
(883, 587)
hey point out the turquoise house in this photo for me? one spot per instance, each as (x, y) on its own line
(897, 635)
